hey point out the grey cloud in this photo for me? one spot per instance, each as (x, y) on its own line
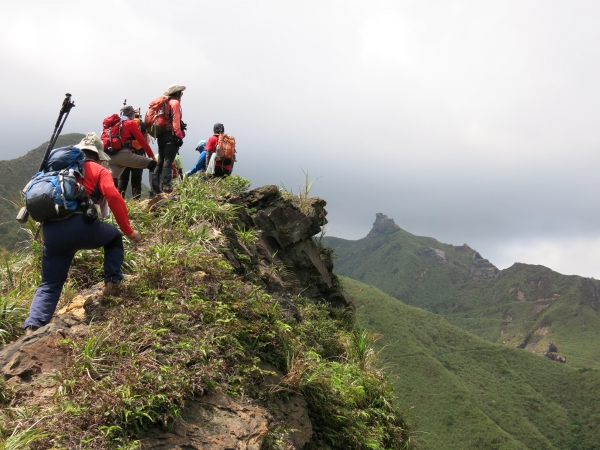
(466, 121)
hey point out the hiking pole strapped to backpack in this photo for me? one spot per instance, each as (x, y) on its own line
(65, 109)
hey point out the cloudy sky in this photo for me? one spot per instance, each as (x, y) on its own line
(468, 121)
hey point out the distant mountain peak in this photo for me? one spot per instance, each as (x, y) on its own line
(382, 225)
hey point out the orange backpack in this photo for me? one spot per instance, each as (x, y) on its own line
(159, 116)
(226, 149)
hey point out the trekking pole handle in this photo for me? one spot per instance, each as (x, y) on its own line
(67, 104)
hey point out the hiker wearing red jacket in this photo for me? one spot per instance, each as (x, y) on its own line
(220, 168)
(63, 238)
(136, 174)
(126, 156)
(169, 140)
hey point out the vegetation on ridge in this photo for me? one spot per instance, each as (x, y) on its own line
(467, 393)
(184, 324)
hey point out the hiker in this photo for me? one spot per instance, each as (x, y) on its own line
(125, 155)
(136, 174)
(217, 165)
(200, 165)
(64, 237)
(178, 165)
(169, 134)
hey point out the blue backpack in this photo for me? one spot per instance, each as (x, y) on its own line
(57, 191)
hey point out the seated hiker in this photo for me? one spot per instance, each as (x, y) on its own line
(136, 174)
(218, 165)
(63, 238)
(200, 165)
(126, 156)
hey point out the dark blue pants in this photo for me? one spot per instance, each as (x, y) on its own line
(62, 239)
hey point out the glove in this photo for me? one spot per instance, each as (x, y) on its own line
(180, 134)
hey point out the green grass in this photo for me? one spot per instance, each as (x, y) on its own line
(467, 393)
(186, 323)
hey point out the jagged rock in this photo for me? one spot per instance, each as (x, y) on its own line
(556, 357)
(213, 422)
(31, 356)
(433, 253)
(261, 194)
(381, 226)
(293, 414)
(482, 268)
(284, 232)
(88, 305)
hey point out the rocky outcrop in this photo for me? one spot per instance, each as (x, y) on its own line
(213, 422)
(433, 253)
(285, 252)
(482, 268)
(556, 357)
(382, 225)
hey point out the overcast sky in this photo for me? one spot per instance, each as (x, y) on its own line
(468, 121)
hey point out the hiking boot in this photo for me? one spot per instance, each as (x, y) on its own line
(30, 329)
(111, 288)
(155, 185)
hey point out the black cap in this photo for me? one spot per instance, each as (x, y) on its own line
(218, 128)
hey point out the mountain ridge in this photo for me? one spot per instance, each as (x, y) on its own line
(527, 306)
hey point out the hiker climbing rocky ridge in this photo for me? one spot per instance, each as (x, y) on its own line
(227, 302)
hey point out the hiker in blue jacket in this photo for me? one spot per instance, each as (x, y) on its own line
(200, 165)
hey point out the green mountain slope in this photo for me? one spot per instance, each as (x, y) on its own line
(523, 306)
(468, 393)
(14, 175)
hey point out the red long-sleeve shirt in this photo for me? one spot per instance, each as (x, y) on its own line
(131, 130)
(176, 108)
(98, 182)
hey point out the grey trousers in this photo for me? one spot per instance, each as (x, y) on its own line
(126, 158)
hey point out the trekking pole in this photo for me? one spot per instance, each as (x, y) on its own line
(65, 109)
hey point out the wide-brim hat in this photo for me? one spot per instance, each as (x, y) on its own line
(92, 142)
(128, 109)
(174, 88)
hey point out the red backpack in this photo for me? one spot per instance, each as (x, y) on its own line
(111, 134)
(158, 116)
